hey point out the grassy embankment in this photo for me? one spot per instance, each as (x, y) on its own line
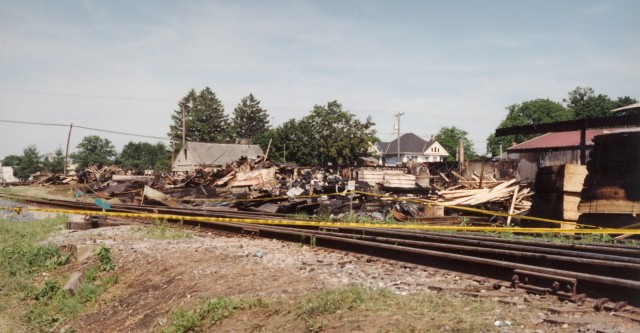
(31, 293)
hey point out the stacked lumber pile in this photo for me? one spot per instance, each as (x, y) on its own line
(94, 174)
(45, 179)
(557, 192)
(612, 186)
(513, 196)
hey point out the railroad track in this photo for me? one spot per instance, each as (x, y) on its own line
(575, 272)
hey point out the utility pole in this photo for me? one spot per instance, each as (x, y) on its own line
(66, 153)
(398, 126)
(184, 128)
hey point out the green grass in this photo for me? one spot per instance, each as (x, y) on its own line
(342, 310)
(23, 256)
(163, 230)
(213, 311)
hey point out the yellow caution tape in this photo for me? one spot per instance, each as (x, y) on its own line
(408, 199)
(285, 222)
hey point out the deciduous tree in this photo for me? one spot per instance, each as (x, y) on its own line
(140, 156)
(584, 103)
(29, 163)
(94, 150)
(328, 134)
(449, 138)
(335, 135)
(55, 162)
(530, 112)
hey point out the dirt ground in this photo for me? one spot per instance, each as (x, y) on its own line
(159, 276)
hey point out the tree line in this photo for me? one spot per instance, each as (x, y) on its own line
(581, 103)
(327, 134)
(92, 150)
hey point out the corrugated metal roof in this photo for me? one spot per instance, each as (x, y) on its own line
(565, 139)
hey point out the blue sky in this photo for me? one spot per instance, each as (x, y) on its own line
(123, 65)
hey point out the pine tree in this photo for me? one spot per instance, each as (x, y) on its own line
(249, 119)
(204, 118)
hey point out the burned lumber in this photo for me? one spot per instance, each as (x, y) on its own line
(160, 197)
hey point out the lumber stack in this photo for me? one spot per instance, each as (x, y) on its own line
(469, 193)
(611, 194)
(557, 192)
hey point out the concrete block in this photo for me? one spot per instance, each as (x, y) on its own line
(71, 287)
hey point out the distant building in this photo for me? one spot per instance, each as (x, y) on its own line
(412, 148)
(200, 154)
(6, 174)
(550, 149)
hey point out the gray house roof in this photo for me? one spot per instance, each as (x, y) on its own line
(409, 144)
(220, 153)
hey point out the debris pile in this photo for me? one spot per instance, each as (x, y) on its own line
(417, 193)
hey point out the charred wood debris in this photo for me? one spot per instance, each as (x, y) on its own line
(405, 194)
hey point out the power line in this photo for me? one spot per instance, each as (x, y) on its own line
(83, 127)
(32, 123)
(128, 98)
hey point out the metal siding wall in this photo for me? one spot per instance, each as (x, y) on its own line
(528, 162)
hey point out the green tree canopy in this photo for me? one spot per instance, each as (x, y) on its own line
(449, 138)
(328, 134)
(336, 136)
(530, 112)
(584, 103)
(11, 160)
(29, 163)
(288, 142)
(55, 162)
(204, 117)
(140, 156)
(249, 119)
(94, 150)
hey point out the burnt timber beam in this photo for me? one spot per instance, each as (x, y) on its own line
(581, 125)
(572, 125)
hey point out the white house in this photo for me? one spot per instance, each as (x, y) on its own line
(412, 148)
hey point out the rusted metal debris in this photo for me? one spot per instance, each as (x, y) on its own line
(403, 194)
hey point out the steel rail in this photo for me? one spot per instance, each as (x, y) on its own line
(458, 257)
(631, 256)
(372, 246)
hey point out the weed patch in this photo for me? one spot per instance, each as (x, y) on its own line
(163, 230)
(23, 256)
(213, 311)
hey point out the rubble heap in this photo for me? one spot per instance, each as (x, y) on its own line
(404, 194)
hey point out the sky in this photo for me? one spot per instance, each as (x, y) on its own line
(122, 66)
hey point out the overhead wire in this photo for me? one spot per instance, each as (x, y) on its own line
(84, 127)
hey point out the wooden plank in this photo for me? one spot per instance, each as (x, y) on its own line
(574, 176)
(570, 202)
(161, 197)
(513, 202)
(132, 178)
(609, 207)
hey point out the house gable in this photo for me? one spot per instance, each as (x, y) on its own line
(195, 154)
(414, 148)
(434, 148)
